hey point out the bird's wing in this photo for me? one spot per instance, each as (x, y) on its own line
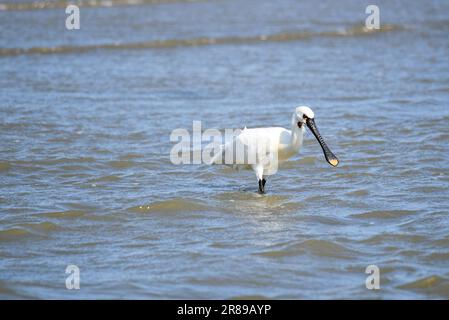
(245, 147)
(229, 149)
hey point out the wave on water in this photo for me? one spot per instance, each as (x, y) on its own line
(318, 247)
(65, 214)
(4, 166)
(433, 284)
(354, 31)
(171, 206)
(13, 234)
(56, 4)
(386, 214)
(27, 230)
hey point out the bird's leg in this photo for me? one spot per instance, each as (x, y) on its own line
(263, 182)
(259, 174)
(261, 185)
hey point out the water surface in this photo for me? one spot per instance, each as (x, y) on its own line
(86, 177)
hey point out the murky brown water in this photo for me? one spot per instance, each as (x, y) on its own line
(86, 177)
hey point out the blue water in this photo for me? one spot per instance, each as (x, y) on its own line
(86, 177)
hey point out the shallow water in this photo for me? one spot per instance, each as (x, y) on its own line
(86, 177)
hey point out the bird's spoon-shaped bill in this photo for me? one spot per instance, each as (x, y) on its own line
(330, 157)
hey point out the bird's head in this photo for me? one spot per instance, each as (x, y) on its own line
(304, 116)
(301, 115)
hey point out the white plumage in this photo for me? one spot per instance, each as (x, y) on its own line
(263, 149)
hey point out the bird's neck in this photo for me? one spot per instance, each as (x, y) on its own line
(297, 138)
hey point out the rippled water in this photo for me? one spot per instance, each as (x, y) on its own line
(86, 177)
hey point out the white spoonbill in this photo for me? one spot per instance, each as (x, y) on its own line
(278, 145)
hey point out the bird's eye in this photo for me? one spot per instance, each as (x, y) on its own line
(300, 124)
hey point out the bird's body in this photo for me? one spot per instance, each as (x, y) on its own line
(285, 142)
(263, 149)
